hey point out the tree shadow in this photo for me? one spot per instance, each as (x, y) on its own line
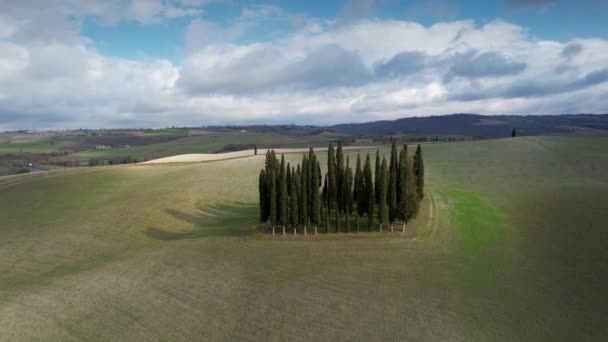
(211, 220)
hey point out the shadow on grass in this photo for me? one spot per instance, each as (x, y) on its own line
(217, 219)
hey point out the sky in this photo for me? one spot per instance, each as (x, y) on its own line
(160, 63)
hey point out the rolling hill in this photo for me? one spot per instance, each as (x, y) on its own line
(483, 126)
(510, 245)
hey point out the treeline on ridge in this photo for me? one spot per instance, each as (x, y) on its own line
(299, 196)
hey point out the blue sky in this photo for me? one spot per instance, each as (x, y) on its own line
(157, 63)
(556, 20)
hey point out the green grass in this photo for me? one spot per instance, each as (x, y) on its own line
(510, 245)
(37, 144)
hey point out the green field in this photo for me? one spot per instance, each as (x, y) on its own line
(510, 245)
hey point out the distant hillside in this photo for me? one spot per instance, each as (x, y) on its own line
(483, 126)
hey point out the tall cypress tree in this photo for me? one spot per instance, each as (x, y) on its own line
(283, 197)
(348, 193)
(382, 194)
(413, 198)
(377, 177)
(262, 187)
(402, 206)
(392, 186)
(288, 179)
(340, 177)
(357, 178)
(305, 191)
(359, 190)
(273, 199)
(315, 200)
(369, 192)
(280, 207)
(293, 202)
(332, 187)
(419, 172)
(400, 186)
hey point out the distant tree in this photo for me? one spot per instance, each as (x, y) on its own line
(255, 149)
(382, 194)
(368, 197)
(513, 133)
(419, 172)
(392, 185)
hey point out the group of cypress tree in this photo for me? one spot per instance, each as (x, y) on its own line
(289, 196)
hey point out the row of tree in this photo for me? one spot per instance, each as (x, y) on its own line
(290, 196)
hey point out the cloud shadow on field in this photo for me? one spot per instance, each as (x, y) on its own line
(218, 219)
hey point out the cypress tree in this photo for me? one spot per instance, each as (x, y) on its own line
(324, 193)
(377, 177)
(283, 197)
(419, 172)
(369, 194)
(392, 186)
(402, 204)
(293, 201)
(280, 207)
(413, 198)
(273, 199)
(332, 187)
(305, 191)
(262, 186)
(359, 191)
(316, 201)
(357, 178)
(288, 179)
(348, 193)
(382, 194)
(340, 177)
(402, 155)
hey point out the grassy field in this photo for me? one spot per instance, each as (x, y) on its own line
(510, 245)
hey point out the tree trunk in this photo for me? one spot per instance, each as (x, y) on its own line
(283, 230)
(357, 222)
(380, 228)
(304, 230)
(272, 230)
(403, 228)
(294, 230)
(392, 227)
(315, 229)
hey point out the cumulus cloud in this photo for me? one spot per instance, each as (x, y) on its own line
(488, 64)
(320, 72)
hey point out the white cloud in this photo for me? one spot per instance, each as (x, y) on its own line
(319, 73)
